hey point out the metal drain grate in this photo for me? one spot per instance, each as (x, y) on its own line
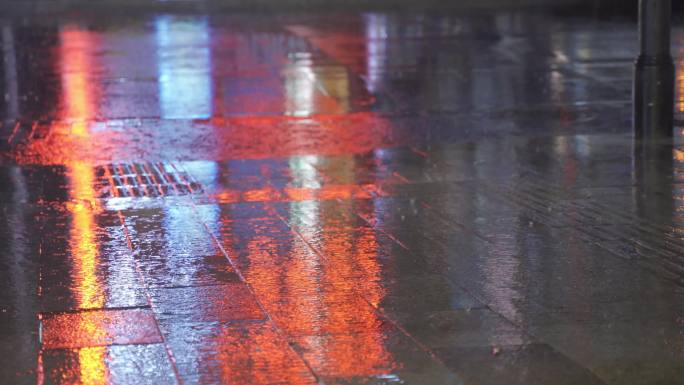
(144, 180)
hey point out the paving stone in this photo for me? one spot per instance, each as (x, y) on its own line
(120, 364)
(91, 328)
(517, 364)
(246, 353)
(229, 302)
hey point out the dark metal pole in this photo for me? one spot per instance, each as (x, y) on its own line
(655, 74)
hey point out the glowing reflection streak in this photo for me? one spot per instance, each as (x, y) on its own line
(376, 52)
(352, 266)
(82, 240)
(329, 288)
(11, 78)
(93, 369)
(354, 255)
(305, 277)
(180, 240)
(318, 289)
(78, 97)
(300, 87)
(307, 93)
(305, 271)
(76, 66)
(680, 86)
(184, 56)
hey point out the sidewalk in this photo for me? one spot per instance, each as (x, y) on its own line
(373, 198)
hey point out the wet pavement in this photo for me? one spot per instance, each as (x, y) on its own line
(373, 198)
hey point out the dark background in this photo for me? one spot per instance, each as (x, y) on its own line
(617, 8)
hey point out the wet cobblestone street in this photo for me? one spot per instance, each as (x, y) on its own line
(348, 198)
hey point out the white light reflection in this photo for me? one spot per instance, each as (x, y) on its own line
(305, 217)
(184, 57)
(305, 214)
(300, 88)
(120, 294)
(583, 146)
(376, 49)
(11, 94)
(304, 172)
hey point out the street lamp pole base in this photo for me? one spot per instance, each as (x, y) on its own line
(654, 80)
(654, 77)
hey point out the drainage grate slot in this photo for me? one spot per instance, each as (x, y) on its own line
(134, 180)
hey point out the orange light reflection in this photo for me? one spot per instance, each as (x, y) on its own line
(352, 265)
(83, 242)
(315, 279)
(93, 369)
(76, 49)
(316, 294)
(295, 194)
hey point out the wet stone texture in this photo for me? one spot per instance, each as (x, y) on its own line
(98, 328)
(120, 364)
(371, 198)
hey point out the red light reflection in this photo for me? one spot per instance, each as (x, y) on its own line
(315, 295)
(78, 98)
(310, 109)
(294, 194)
(315, 279)
(257, 355)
